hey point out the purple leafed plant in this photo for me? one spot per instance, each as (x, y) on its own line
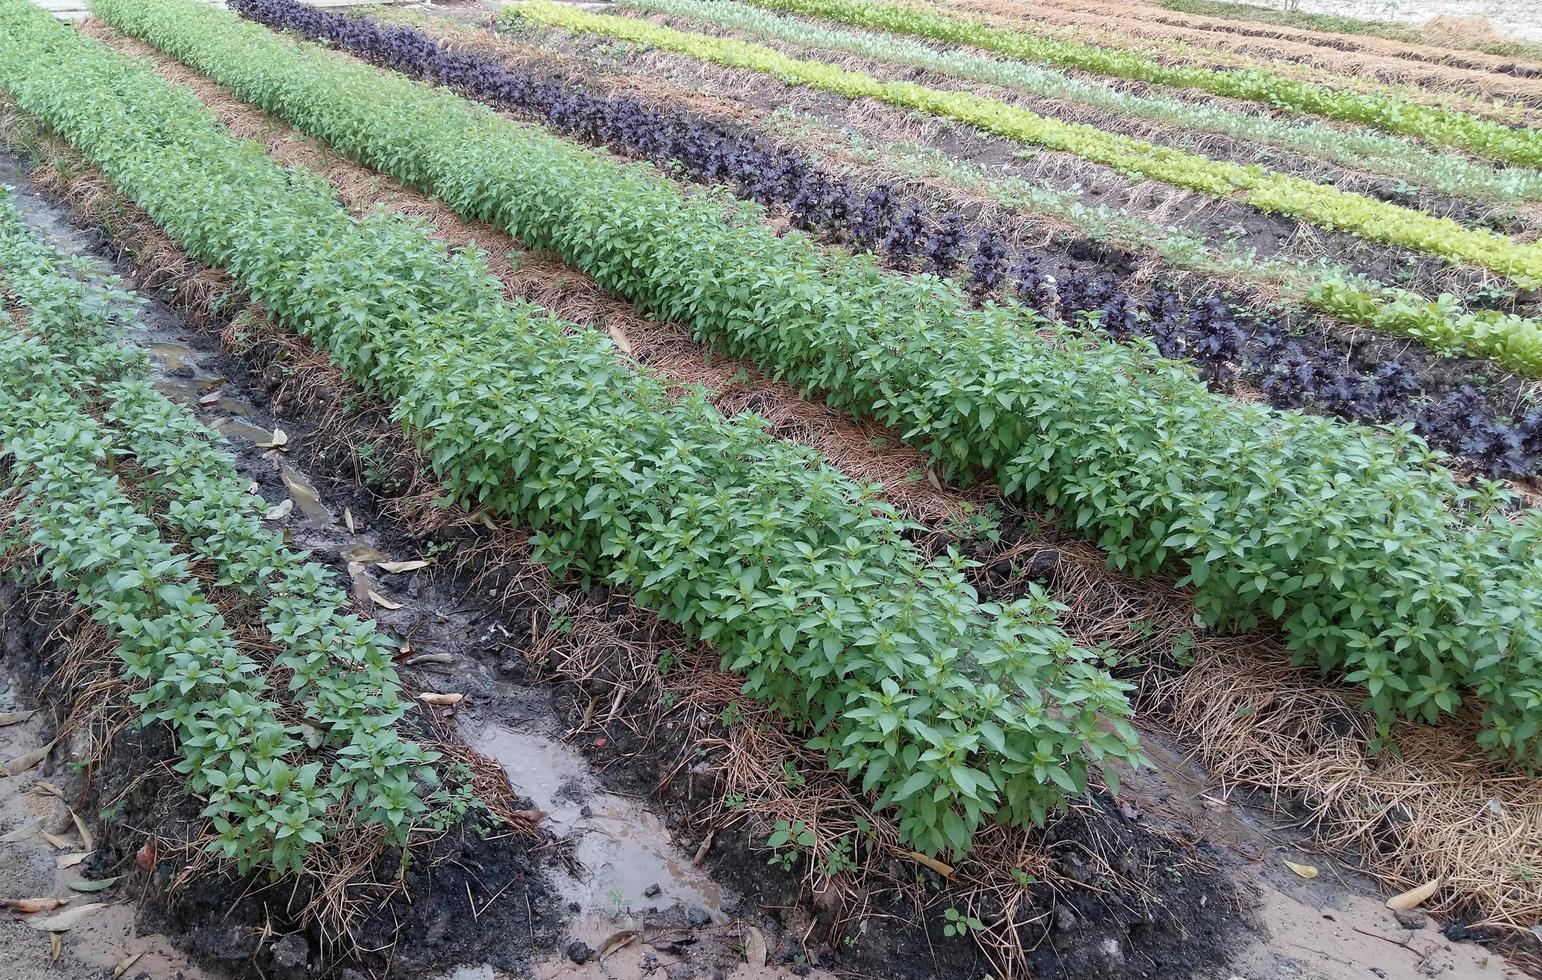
(902, 230)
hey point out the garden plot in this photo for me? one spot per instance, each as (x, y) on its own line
(754, 807)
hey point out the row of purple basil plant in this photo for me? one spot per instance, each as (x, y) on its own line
(901, 229)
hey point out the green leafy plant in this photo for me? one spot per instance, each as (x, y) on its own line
(1383, 111)
(956, 923)
(803, 581)
(1359, 149)
(788, 841)
(1266, 190)
(1376, 564)
(334, 665)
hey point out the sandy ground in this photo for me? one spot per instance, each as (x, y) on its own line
(1510, 19)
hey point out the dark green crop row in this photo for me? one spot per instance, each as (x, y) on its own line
(951, 711)
(1379, 566)
(334, 665)
(93, 542)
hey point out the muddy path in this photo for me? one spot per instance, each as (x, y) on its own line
(621, 855)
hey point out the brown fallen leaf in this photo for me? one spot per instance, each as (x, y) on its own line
(618, 940)
(70, 860)
(55, 949)
(145, 856)
(396, 567)
(1302, 870)
(125, 964)
(15, 717)
(59, 843)
(946, 870)
(65, 921)
(48, 788)
(27, 760)
(429, 697)
(381, 600)
(1413, 897)
(86, 840)
(529, 816)
(700, 857)
(754, 946)
(27, 906)
(620, 339)
(23, 832)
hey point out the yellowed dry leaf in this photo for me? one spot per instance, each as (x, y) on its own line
(70, 860)
(946, 870)
(86, 839)
(49, 788)
(1302, 870)
(27, 760)
(754, 946)
(23, 832)
(59, 843)
(27, 906)
(348, 519)
(429, 658)
(1413, 897)
(55, 949)
(402, 566)
(429, 697)
(65, 921)
(125, 964)
(619, 337)
(279, 439)
(382, 601)
(618, 940)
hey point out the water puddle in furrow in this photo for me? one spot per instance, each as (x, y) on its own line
(623, 847)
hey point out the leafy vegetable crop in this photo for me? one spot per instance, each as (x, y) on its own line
(951, 711)
(1440, 127)
(1375, 561)
(1263, 189)
(332, 663)
(899, 226)
(1358, 149)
